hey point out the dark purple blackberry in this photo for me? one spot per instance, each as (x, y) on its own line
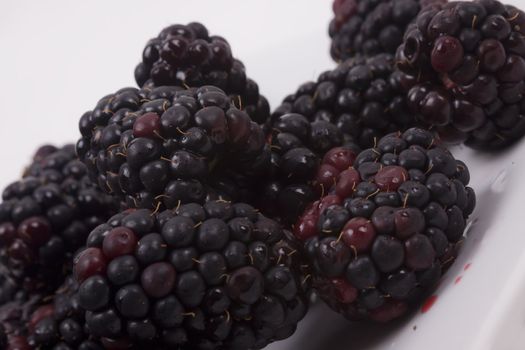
(468, 62)
(166, 146)
(298, 145)
(350, 107)
(9, 286)
(362, 97)
(186, 55)
(14, 316)
(44, 151)
(44, 218)
(371, 27)
(218, 275)
(60, 324)
(381, 238)
(300, 176)
(47, 322)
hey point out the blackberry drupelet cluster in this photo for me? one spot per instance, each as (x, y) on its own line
(298, 144)
(14, 315)
(9, 286)
(186, 55)
(169, 145)
(352, 105)
(389, 226)
(46, 322)
(467, 60)
(60, 324)
(12, 326)
(362, 97)
(44, 218)
(292, 186)
(370, 27)
(211, 276)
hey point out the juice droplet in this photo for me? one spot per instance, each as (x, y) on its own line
(429, 303)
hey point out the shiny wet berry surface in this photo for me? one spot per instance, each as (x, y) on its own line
(369, 27)
(384, 233)
(187, 55)
(459, 58)
(45, 217)
(162, 146)
(213, 269)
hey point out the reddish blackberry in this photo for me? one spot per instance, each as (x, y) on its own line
(211, 276)
(371, 27)
(389, 227)
(44, 218)
(362, 97)
(468, 62)
(186, 55)
(162, 147)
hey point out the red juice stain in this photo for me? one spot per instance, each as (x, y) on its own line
(467, 266)
(458, 279)
(427, 305)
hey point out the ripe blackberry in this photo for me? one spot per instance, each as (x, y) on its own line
(362, 97)
(386, 231)
(60, 324)
(299, 146)
(371, 27)
(468, 62)
(210, 276)
(297, 173)
(186, 55)
(14, 315)
(9, 287)
(44, 218)
(162, 147)
(37, 322)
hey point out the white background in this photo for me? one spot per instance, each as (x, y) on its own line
(59, 57)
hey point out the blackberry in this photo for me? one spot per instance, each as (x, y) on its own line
(60, 324)
(380, 238)
(349, 107)
(44, 218)
(37, 322)
(298, 145)
(157, 148)
(371, 27)
(467, 60)
(186, 55)
(300, 178)
(218, 275)
(9, 286)
(14, 316)
(362, 97)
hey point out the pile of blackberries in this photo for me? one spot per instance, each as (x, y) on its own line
(189, 217)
